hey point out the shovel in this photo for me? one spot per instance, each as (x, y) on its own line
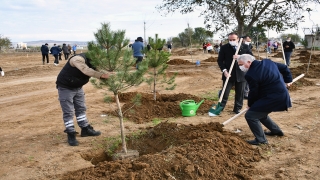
(245, 110)
(216, 109)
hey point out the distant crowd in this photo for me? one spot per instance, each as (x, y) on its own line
(57, 52)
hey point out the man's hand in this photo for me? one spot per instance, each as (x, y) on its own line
(236, 56)
(288, 84)
(226, 74)
(104, 76)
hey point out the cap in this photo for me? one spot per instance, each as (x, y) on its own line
(46, 44)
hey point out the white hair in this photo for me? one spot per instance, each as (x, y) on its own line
(245, 57)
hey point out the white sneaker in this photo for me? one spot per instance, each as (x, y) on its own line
(56, 64)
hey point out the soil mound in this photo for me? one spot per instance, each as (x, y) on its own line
(179, 62)
(175, 151)
(211, 59)
(313, 72)
(166, 106)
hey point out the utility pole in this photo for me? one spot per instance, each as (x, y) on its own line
(144, 27)
(190, 42)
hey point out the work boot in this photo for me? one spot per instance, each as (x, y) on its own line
(89, 131)
(72, 139)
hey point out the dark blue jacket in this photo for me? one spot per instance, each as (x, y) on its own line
(44, 49)
(268, 91)
(55, 50)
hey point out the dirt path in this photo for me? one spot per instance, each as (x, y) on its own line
(33, 145)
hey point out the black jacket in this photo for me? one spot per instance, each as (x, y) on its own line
(71, 77)
(44, 49)
(225, 60)
(65, 49)
(290, 44)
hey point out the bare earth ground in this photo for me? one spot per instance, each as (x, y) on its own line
(33, 145)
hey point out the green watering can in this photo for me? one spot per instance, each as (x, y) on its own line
(189, 107)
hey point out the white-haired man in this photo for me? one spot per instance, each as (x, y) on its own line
(268, 93)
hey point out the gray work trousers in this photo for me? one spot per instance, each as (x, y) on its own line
(255, 119)
(72, 100)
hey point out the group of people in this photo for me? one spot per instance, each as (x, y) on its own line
(267, 86)
(57, 52)
(267, 83)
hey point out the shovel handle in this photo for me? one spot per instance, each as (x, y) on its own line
(245, 110)
(231, 119)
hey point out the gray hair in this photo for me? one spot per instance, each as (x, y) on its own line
(246, 57)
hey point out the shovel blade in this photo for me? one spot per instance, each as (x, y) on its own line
(215, 110)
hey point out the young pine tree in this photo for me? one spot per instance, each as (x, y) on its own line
(158, 63)
(118, 59)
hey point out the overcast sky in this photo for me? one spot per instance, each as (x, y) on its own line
(76, 20)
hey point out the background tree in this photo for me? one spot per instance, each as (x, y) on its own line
(294, 37)
(108, 50)
(5, 42)
(223, 14)
(200, 35)
(124, 76)
(158, 62)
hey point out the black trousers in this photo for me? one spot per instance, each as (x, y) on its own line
(45, 56)
(56, 58)
(255, 119)
(60, 56)
(239, 92)
(66, 56)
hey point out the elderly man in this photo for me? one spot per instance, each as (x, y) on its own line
(268, 93)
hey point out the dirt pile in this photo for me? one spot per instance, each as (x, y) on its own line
(313, 71)
(211, 59)
(305, 57)
(176, 151)
(179, 62)
(166, 106)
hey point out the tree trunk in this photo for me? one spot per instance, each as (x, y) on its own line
(154, 84)
(120, 115)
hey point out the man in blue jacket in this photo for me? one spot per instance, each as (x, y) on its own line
(268, 93)
(55, 52)
(137, 48)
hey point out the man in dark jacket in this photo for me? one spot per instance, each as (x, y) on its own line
(76, 73)
(288, 48)
(268, 93)
(45, 53)
(225, 58)
(54, 50)
(65, 51)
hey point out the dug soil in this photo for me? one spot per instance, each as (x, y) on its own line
(34, 146)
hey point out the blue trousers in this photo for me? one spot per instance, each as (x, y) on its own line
(287, 55)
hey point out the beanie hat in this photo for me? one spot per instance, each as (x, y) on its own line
(140, 39)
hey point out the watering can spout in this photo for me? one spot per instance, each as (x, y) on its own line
(198, 105)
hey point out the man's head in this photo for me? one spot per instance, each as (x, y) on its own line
(46, 44)
(244, 62)
(54, 44)
(140, 39)
(246, 39)
(233, 39)
(288, 39)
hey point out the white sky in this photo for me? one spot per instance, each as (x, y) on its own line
(76, 20)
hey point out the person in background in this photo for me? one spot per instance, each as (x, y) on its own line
(247, 41)
(269, 46)
(137, 48)
(55, 52)
(268, 82)
(60, 52)
(74, 49)
(275, 46)
(236, 78)
(204, 47)
(45, 53)
(288, 46)
(169, 46)
(209, 47)
(65, 51)
(1, 72)
(69, 49)
(76, 73)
